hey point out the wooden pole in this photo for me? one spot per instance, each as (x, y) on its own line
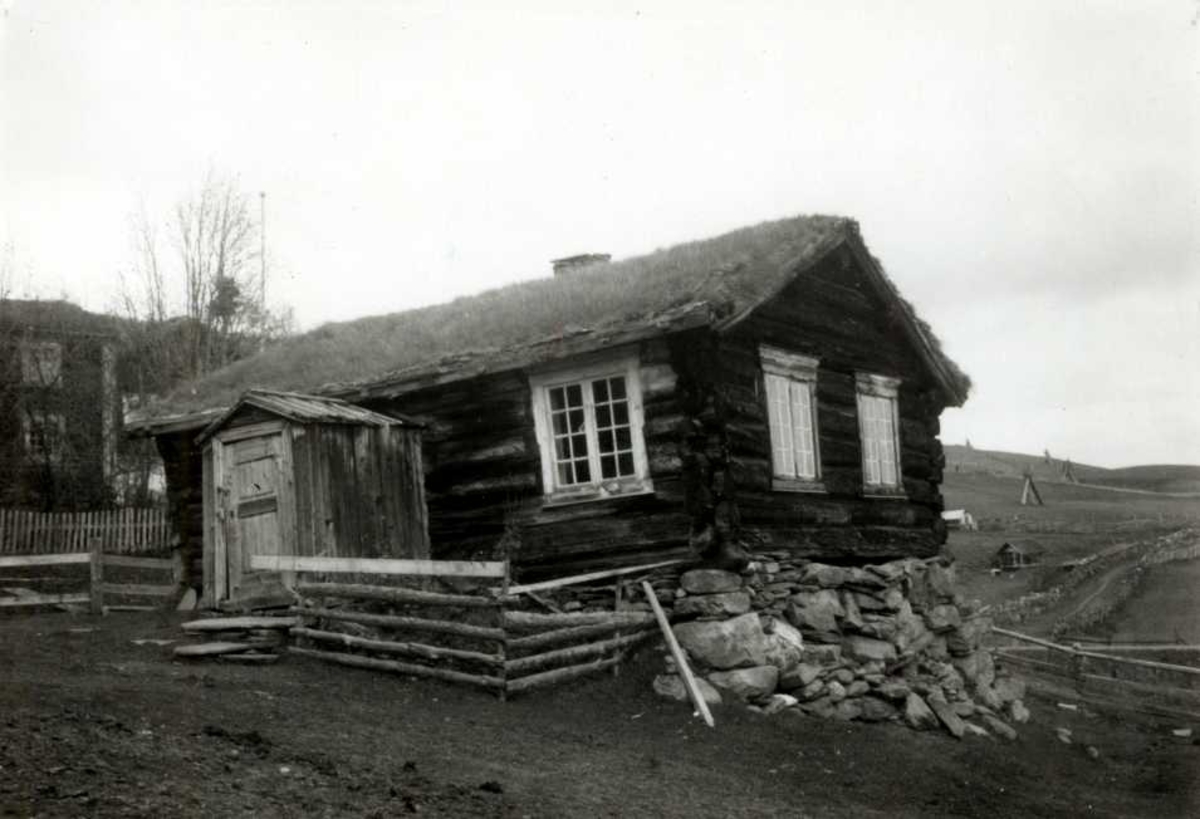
(97, 589)
(680, 658)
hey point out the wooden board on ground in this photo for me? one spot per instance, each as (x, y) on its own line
(234, 623)
(211, 649)
(249, 659)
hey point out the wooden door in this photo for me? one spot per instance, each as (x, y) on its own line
(256, 505)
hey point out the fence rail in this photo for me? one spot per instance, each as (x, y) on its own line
(98, 585)
(485, 643)
(120, 531)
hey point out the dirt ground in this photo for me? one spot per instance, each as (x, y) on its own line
(92, 724)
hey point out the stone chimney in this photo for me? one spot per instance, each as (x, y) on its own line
(573, 264)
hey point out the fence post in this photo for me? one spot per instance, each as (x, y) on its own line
(96, 594)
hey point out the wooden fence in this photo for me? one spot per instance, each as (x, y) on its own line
(476, 638)
(1139, 684)
(120, 531)
(99, 586)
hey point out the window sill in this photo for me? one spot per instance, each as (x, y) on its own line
(597, 495)
(797, 485)
(884, 493)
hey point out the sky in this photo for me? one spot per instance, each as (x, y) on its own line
(1028, 172)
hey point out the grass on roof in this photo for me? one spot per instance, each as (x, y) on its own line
(728, 271)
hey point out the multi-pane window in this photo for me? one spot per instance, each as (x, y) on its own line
(45, 434)
(589, 427)
(41, 363)
(791, 380)
(878, 427)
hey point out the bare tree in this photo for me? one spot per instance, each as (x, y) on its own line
(210, 256)
(189, 297)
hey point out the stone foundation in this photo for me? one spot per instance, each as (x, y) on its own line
(887, 642)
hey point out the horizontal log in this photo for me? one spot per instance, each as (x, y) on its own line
(127, 562)
(235, 623)
(398, 622)
(387, 566)
(559, 675)
(43, 600)
(846, 542)
(589, 577)
(525, 665)
(392, 594)
(570, 634)
(422, 650)
(532, 622)
(44, 560)
(130, 608)
(409, 669)
(138, 589)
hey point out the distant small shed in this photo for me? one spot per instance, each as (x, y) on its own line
(1010, 557)
(292, 474)
(959, 519)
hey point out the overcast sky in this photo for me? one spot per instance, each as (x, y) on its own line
(1028, 172)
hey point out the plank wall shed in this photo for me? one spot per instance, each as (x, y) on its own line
(292, 474)
(766, 390)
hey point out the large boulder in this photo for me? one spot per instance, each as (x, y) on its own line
(672, 687)
(823, 575)
(747, 684)
(939, 579)
(785, 644)
(816, 613)
(1009, 689)
(945, 712)
(866, 649)
(826, 655)
(852, 617)
(875, 710)
(721, 604)
(723, 644)
(966, 638)
(917, 714)
(710, 581)
(942, 618)
(979, 667)
(798, 676)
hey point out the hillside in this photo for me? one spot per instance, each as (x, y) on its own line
(1149, 478)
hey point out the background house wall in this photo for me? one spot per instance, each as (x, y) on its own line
(59, 406)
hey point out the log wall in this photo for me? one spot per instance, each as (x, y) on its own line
(483, 479)
(832, 313)
(183, 466)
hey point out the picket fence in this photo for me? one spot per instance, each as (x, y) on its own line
(119, 531)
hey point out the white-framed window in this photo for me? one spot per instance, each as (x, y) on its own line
(879, 425)
(45, 435)
(41, 363)
(588, 420)
(790, 380)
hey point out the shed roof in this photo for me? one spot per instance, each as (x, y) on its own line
(305, 409)
(714, 282)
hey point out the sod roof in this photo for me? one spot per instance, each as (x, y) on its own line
(708, 282)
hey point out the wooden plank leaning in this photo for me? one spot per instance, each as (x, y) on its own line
(685, 670)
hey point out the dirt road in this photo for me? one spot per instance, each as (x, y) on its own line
(91, 724)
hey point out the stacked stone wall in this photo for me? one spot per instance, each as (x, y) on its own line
(885, 642)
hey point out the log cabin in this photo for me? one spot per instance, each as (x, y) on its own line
(764, 390)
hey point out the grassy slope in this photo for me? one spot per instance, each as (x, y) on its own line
(1150, 478)
(1076, 521)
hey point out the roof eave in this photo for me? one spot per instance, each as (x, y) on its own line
(926, 349)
